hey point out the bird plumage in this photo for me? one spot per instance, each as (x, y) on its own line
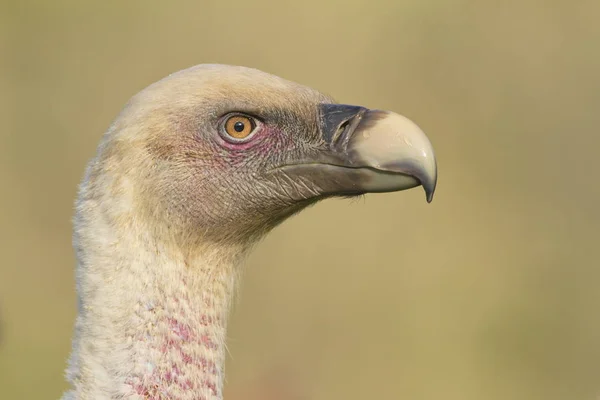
(172, 203)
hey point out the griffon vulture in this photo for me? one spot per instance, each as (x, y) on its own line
(195, 170)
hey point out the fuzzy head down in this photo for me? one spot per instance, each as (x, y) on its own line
(169, 158)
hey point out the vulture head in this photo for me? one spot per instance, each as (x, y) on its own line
(224, 153)
(195, 169)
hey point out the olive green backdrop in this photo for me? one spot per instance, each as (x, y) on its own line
(490, 292)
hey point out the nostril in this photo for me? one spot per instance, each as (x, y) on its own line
(340, 130)
(344, 124)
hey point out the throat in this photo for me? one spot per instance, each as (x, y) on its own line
(153, 328)
(179, 347)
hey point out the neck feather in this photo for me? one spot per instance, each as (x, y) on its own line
(152, 319)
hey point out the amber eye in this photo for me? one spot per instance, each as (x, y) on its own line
(239, 126)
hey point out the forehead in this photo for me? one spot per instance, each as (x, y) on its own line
(219, 88)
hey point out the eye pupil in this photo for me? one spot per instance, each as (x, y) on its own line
(239, 126)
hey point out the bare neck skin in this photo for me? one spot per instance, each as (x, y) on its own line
(152, 320)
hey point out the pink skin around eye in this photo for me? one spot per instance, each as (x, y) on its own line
(262, 142)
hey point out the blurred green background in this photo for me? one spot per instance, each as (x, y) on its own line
(490, 292)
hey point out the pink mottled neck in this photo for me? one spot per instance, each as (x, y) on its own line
(180, 351)
(153, 325)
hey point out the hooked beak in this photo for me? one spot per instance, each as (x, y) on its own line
(369, 151)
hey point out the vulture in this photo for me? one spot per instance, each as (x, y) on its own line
(192, 173)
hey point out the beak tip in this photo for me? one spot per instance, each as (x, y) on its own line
(429, 194)
(429, 187)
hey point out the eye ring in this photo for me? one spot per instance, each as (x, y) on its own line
(239, 127)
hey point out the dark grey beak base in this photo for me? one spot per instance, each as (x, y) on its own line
(336, 117)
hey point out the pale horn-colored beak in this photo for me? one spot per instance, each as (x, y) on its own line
(364, 151)
(389, 142)
(392, 150)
